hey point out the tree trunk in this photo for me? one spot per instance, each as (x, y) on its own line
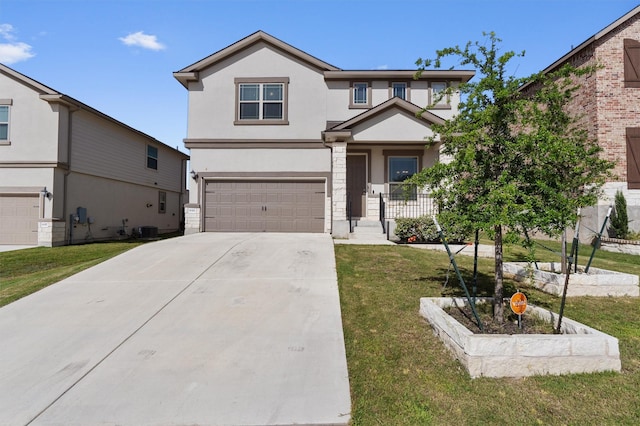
(498, 294)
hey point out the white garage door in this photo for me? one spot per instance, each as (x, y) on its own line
(264, 206)
(19, 219)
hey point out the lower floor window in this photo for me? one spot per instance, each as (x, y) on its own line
(162, 202)
(401, 169)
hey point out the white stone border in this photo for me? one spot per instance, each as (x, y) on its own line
(580, 349)
(598, 282)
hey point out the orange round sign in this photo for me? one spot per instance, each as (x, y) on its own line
(518, 303)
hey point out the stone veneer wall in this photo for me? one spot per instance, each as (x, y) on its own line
(191, 219)
(51, 232)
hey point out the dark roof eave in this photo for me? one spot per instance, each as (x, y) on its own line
(77, 105)
(462, 75)
(589, 41)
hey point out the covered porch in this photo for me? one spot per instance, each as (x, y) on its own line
(372, 155)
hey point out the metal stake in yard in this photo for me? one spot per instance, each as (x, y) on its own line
(455, 266)
(475, 265)
(574, 245)
(574, 248)
(597, 242)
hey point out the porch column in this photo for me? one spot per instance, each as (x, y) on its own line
(340, 223)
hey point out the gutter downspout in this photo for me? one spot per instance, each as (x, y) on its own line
(65, 208)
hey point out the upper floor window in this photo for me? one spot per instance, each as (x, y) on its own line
(631, 63)
(152, 157)
(4, 123)
(399, 90)
(360, 95)
(438, 96)
(261, 101)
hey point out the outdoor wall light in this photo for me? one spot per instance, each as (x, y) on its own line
(46, 194)
(194, 175)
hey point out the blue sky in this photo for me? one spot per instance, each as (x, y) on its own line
(118, 56)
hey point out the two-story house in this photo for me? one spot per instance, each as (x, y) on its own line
(71, 174)
(282, 141)
(608, 103)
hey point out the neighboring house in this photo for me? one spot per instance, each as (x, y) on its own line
(71, 174)
(283, 141)
(609, 104)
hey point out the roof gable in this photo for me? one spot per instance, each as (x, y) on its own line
(29, 82)
(52, 96)
(368, 123)
(190, 73)
(393, 103)
(600, 34)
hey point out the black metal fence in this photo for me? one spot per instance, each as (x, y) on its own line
(392, 206)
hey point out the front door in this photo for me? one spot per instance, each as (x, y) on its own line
(357, 183)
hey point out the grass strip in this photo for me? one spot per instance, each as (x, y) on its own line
(401, 374)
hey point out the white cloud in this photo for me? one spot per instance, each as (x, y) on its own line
(10, 53)
(6, 31)
(13, 51)
(143, 40)
(382, 67)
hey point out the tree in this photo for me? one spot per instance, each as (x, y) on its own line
(619, 219)
(516, 161)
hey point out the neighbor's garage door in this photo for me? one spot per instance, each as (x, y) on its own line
(264, 206)
(19, 219)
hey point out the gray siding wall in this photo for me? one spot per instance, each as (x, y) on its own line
(103, 149)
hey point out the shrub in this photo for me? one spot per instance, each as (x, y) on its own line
(422, 229)
(619, 219)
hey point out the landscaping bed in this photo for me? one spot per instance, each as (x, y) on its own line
(598, 282)
(578, 349)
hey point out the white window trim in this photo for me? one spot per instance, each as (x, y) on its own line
(7, 103)
(261, 81)
(162, 202)
(407, 90)
(352, 93)
(150, 156)
(399, 154)
(445, 102)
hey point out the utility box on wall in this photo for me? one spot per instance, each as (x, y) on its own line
(148, 231)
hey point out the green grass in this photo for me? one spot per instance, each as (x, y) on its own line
(23, 272)
(401, 374)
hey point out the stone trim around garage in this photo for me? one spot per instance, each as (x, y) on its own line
(580, 349)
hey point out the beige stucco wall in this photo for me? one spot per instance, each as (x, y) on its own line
(266, 161)
(338, 96)
(33, 128)
(212, 99)
(392, 126)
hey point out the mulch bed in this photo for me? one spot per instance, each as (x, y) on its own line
(530, 323)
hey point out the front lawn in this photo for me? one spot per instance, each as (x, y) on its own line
(401, 374)
(23, 272)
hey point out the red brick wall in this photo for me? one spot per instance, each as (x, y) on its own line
(608, 106)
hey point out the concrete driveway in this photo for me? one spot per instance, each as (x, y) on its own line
(207, 329)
